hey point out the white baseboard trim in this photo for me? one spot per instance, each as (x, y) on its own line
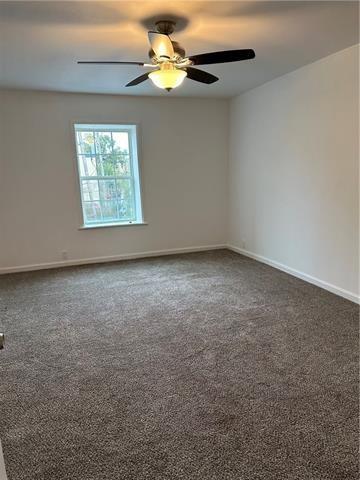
(111, 258)
(173, 251)
(296, 273)
(2, 466)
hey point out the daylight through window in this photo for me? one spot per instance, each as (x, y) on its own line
(109, 174)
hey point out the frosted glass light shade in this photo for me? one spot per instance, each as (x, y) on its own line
(167, 79)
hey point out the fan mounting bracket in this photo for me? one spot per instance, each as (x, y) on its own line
(166, 27)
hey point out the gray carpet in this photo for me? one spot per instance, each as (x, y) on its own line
(206, 366)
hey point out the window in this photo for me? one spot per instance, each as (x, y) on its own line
(109, 174)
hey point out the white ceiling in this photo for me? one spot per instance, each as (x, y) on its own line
(40, 42)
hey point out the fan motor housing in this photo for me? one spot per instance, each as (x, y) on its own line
(165, 26)
(178, 49)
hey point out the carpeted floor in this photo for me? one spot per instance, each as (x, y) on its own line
(206, 366)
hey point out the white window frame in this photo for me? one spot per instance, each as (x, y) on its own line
(135, 176)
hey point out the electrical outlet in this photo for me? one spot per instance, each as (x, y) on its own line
(64, 255)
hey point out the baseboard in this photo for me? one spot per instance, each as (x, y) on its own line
(173, 251)
(111, 258)
(296, 273)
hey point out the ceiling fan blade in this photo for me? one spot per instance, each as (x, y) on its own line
(138, 80)
(200, 75)
(222, 57)
(161, 44)
(109, 62)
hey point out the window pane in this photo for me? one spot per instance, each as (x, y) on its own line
(106, 165)
(103, 142)
(86, 142)
(121, 150)
(107, 190)
(92, 212)
(121, 142)
(109, 210)
(125, 198)
(122, 165)
(87, 165)
(90, 189)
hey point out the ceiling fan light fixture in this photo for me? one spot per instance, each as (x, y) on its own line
(171, 65)
(168, 77)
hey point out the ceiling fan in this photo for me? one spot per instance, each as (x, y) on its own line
(170, 64)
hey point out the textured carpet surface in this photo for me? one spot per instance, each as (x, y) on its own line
(206, 366)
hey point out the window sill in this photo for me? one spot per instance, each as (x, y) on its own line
(111, 225)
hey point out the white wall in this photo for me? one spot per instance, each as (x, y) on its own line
(183, 150)
(293, 170)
